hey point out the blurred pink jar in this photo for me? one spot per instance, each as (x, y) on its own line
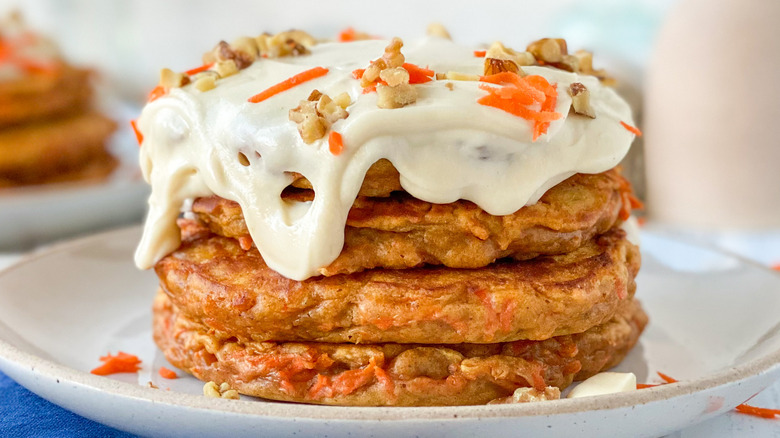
(712, 112)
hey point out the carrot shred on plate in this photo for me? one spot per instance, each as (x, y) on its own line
(744, 408)
(168, 374)
(138, 135)
(197, 70)
(758, 412)
(335, 143)
(632, 129)
(121, 363)
(304, 76)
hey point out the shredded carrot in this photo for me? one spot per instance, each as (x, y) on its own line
(776, 267)
(480, 53)
(758, 412)
(517, 94)
(167, 374)
(369, 89)
(631, 129)
(666, 378)
(121, 363)
(641, 221)
(347, 35)
(156, 93)
(138, 135)
(358, 73)
(335, 143)
(417, 74)
(744, 408)
(197, 70)
(288, 83)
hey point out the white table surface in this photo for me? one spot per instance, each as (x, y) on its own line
(762, 247)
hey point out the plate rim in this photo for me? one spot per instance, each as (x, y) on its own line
(15, 357)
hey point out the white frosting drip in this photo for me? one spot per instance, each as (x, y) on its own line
(446, 147)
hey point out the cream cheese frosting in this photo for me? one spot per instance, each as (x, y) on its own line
(446, 147)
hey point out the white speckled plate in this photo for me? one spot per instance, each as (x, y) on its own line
(715, 325)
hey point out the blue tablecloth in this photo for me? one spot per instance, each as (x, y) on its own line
(25, 415)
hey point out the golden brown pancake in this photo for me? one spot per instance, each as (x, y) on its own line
(392, 374)
(399, 231)
(53, 150)
(213, 281)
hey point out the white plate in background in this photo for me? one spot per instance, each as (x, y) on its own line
(33, 215)
(714, 326)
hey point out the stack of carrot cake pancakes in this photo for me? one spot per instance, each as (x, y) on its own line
(372, 223)
(48, 131)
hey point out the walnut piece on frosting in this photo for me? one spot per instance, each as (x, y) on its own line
(580, 100)
(499, 58)
(224, 52)
(317, 113)
(289, 43)
(170, 79)
(438, 30)
(528, 395)
(211, 389)
(389, 68)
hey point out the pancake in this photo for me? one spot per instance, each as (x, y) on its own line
(392, 374)
(399, 231)
(61, 92)
(38, 152)
(216, 282)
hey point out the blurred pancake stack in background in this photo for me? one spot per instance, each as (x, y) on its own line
(49, 131)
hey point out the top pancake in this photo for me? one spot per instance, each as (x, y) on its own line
(399, 231)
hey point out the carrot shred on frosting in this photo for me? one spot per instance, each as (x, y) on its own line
(304, 76)
(417, 74)
(156, 93)
(347, 35)
(121, 363)
(631, 129)
(335, 143)
(168, 374)
(197, 70)
(480, 53)
(520, 96)
(776, 266)
(744, 408)
(138, 135)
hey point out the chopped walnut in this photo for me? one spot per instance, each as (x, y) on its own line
(206, 81)
(394, 76)
(450, 86)
(223, 52)
(211, 389)
(548, 50)
(316, 114)
(151, 385)
(395, 97)
(585, 66)
(398, 92)
(528, 395)
(438, 30)
(495, 66)
(289, 43)
(226, 68)
(170, 79)
(580, 100)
